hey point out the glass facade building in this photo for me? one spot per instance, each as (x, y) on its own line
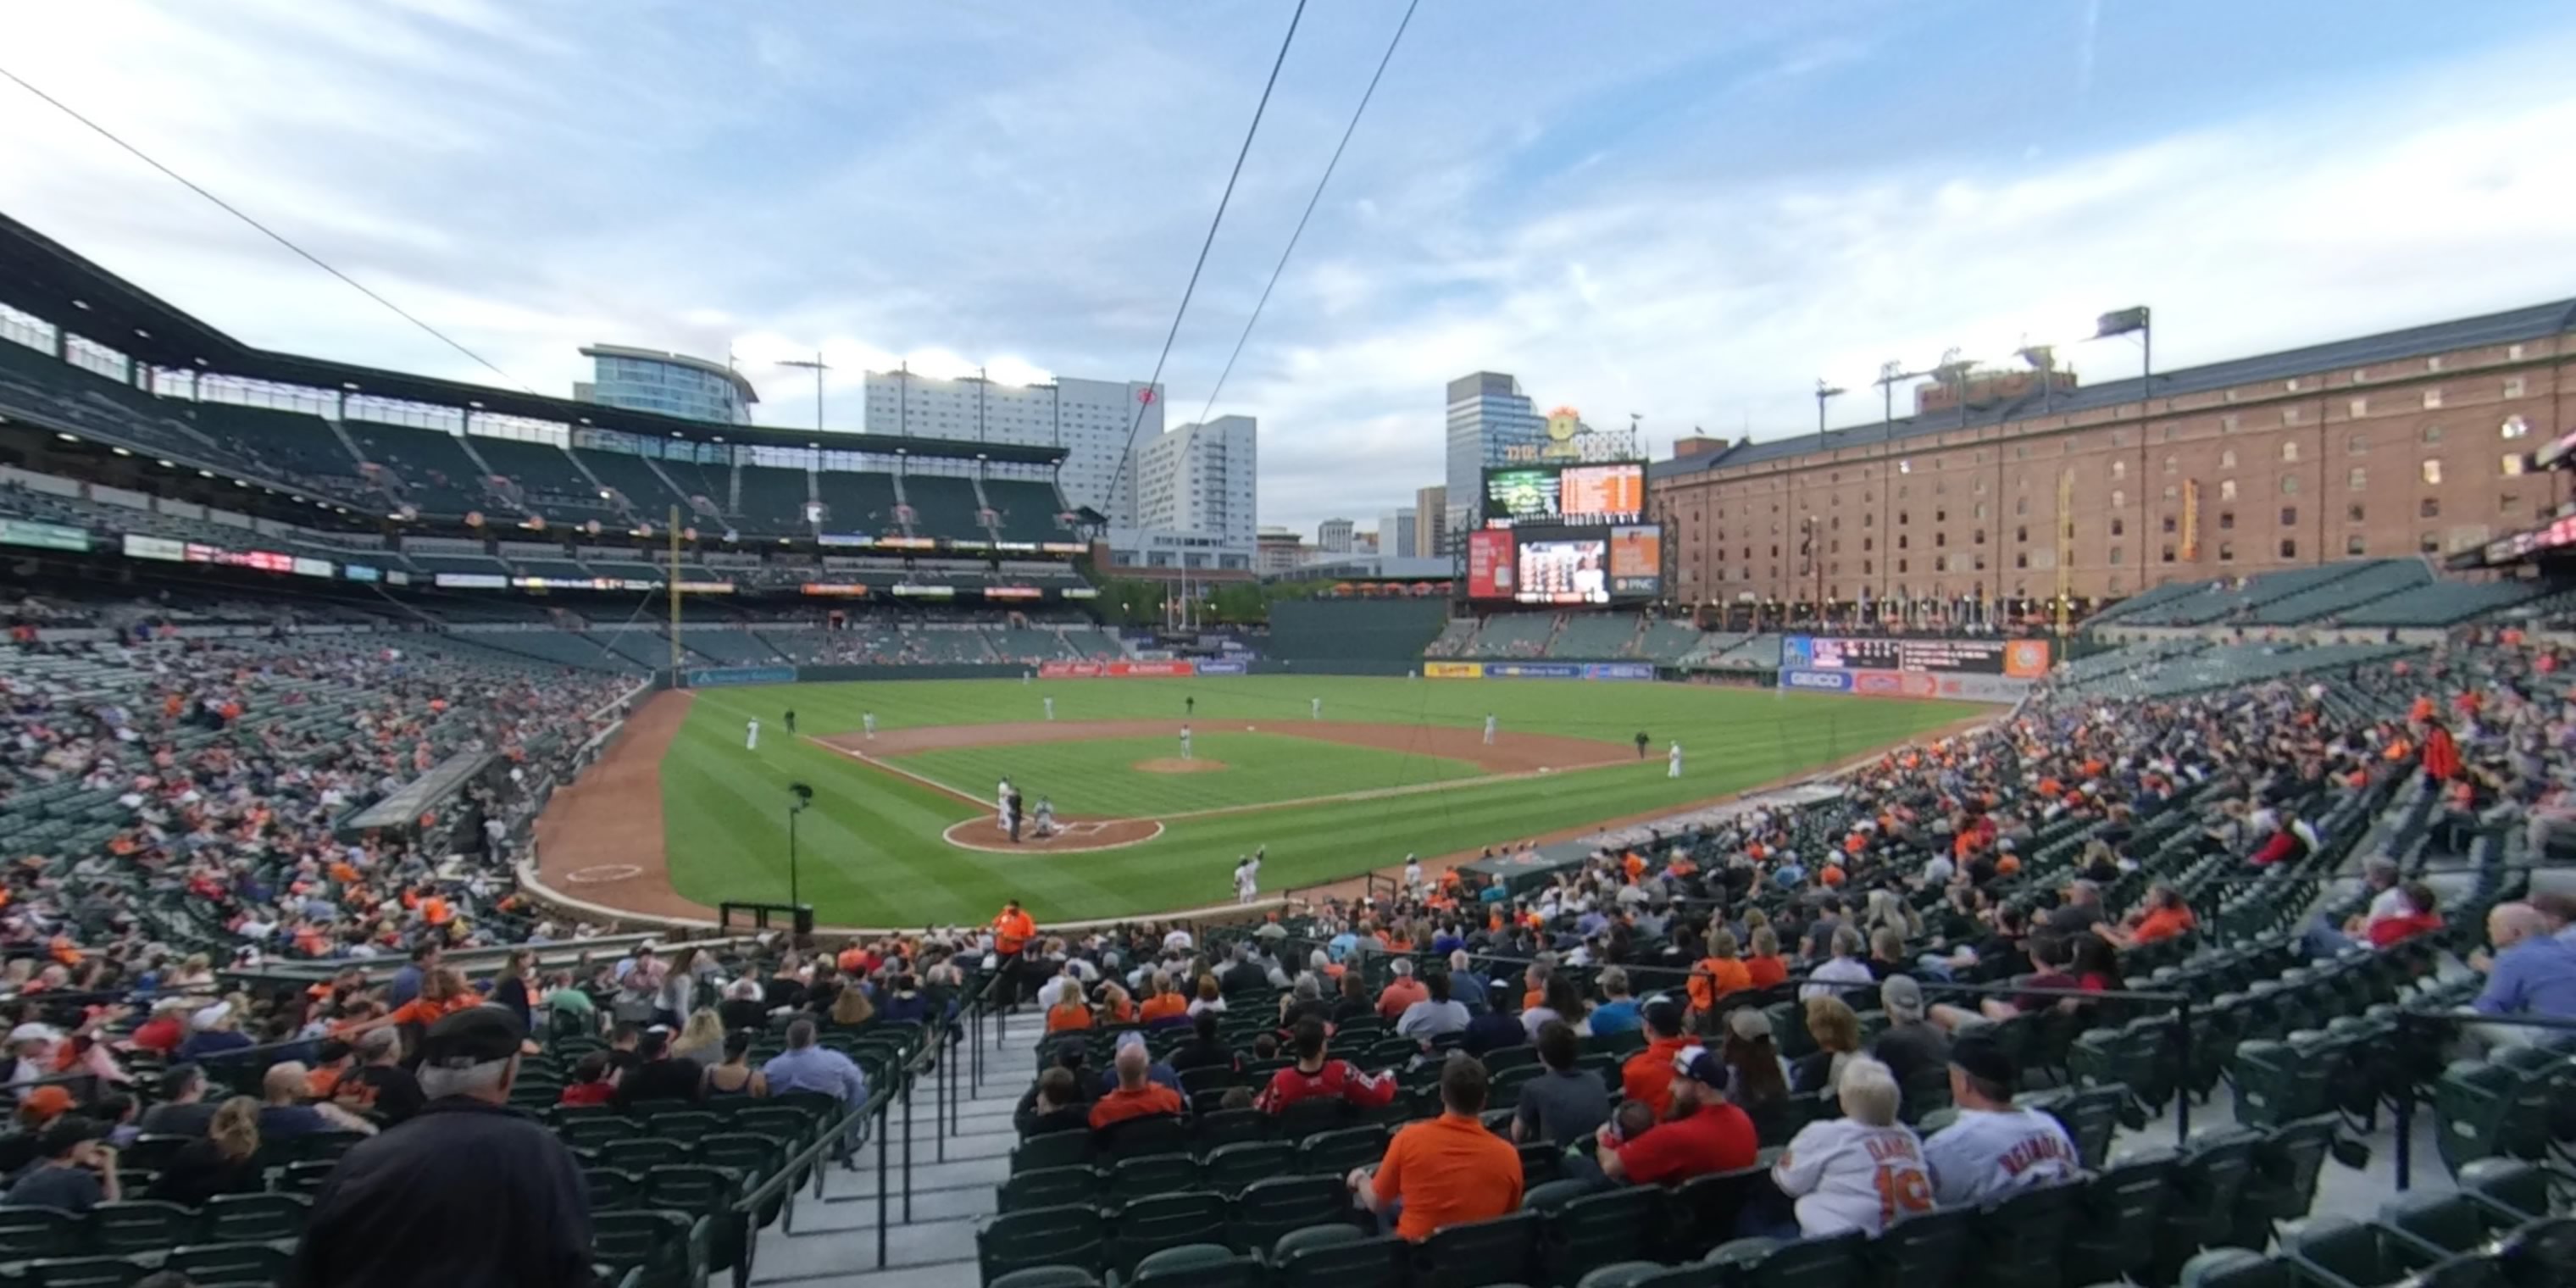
(670, 383)
(1488, 413)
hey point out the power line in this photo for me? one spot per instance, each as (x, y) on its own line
(264, 230)
(1138, 425)
(1311, 203)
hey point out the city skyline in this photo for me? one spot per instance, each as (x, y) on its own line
(1686, 220)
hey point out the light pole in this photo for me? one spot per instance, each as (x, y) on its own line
(816, 365)
(1823, 392)
(800, 796)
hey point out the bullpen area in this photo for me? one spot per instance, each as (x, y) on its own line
(1335, 776)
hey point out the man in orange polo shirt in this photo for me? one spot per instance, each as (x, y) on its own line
(1012, 931)
(1648, 1075)
(1448, 1170)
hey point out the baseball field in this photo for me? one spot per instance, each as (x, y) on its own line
(1336, 776)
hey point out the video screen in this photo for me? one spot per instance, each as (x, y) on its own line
(1571, 570)
(1521, 496)
(1636, 561)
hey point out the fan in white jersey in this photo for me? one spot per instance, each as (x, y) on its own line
(1863, 1171)
(1993, 1149)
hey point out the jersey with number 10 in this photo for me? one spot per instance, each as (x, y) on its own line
(1848, 1175)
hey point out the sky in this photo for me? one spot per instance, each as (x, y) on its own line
(1686, 212)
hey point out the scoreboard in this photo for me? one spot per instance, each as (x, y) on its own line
(2021, 658)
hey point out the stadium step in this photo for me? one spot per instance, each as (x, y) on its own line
(835, 1241)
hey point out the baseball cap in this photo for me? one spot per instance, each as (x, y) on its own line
(1901, 993)
(46, 1103)
(475, 1035)
(211, 1016)
(60, 1135)
(1700, 1065)
(1663, 1014)
(1749, 1023)
(1984, 1059)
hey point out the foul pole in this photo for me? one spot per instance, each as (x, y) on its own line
(675, 594)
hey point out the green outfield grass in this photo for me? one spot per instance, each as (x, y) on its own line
(1097, 777)
(871, 849)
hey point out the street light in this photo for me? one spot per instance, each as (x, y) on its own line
(801, 796)
(816, 365)
(1823, 392)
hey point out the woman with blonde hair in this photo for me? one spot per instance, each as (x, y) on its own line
(1764, 963)
(701, 1039)
(219, 1162)
(851, 1007)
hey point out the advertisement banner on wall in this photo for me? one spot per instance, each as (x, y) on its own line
(1533, 671)
(1817, 681)
(43, 536)
(1453, 670)
(1224, 666)
(1149, 670)
(1489, 564)
(1619, 671)
(718, 677)
(155, 548)
(1068, 670)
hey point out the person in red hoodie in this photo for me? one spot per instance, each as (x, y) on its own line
(1315, 1076)
(2418, 918)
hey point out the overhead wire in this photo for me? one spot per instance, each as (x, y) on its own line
(1311, 202)
(1137, 426)
(263, 229)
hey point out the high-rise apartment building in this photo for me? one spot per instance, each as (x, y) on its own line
(1091, 419)
(1200, 479)
(1333, 536)
(1395, 531)
(1488, 416)
(1431, 528)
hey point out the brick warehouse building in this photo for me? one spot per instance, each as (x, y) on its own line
(2409, 442)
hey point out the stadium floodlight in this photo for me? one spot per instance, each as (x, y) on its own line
(816, 365)
(799, 797)
(1824, 392)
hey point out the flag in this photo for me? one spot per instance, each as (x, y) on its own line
(2121, 322)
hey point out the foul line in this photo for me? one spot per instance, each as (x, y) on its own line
(1221, 811)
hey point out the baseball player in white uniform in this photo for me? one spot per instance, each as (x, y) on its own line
(1185, 742)
(1002, 802)
(1050, 708)
(1412, 875)
(1673, 762)
(1489, 730)
(751, 736)
(1314, 708)
(868, 721)
(1993, 1148)
(1247, 878)
(1863, 1171)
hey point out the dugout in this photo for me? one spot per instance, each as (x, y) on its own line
(1351, 636)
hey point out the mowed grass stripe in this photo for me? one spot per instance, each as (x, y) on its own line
(872, 847)
(1100, 778)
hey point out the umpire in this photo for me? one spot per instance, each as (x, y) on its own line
(467, 1191)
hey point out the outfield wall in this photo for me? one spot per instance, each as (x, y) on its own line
(1312, 632)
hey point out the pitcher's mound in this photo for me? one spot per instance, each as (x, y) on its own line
(1176, 765)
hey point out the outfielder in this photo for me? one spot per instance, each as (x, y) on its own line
(1050, 708)
(751, 736)
(1673, 762)
(1185, 742)
(1489, 730)
(1247, 877)
(1314, 708)
(868, 721)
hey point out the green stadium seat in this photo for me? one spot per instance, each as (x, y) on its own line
(1925, 1248)
(1478, 1253)
(1200, 1265)
(1828, 1261)
(2334, 1252)
(1048, 1187)
(666, 1246)
(1161, 1221)
(611, 1189)
(1052, 1149)
(2513, 1189)
(251, 1218)
(643, 1154)
(2235, 1268)
(2018, 1241)
(1225, 1127)
(2123, 1208)
(2207, 1179)
(83, 1272)
(1335, 1153)
(1595, 1230)
(1552, 1195)
(1269, 1209)
(1072, 1235)
(1621, 1274)
(1340, 1257)
(31, 1232)
(140, 1225)
(1048, 1277)
(1135, 1178)
(210, 1264)
(1138, 1137)
(2283, 1181)
(1229, 1168)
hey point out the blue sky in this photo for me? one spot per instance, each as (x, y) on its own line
(1687, 211)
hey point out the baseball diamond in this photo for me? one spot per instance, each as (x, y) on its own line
(904, 827)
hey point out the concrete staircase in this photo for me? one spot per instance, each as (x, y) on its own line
(929, 1236)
